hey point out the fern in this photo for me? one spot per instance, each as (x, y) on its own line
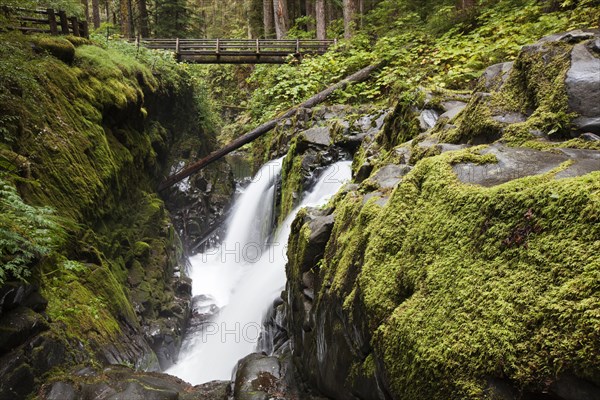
(27, 233)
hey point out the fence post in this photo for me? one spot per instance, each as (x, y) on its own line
(218, 50)
(52, 21)
(64, 22)
(75, 26)
(85, 30)
(177, 49)
(298, 46)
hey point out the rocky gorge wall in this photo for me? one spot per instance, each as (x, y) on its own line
(462, 261)
(89, 132)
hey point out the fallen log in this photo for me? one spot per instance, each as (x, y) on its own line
(359, 76)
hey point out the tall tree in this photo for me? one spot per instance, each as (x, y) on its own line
(86, 9)
(268, 18)
(321, 19)
(310, 12)
(143, 20)
(282, 19)
(125, 18)
(172, 19)
(96, 13)
(350, 13)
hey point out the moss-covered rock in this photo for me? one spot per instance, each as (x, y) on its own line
(88, 134)
(475, 275)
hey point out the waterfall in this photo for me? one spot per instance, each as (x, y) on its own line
(245, 274)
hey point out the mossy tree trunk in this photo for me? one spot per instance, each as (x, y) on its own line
(321, 19)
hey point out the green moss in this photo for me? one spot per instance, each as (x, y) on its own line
(90, 141)
(60, 48)
(291, 180)
(463, 283)
(569, 144)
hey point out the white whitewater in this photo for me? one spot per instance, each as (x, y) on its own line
(245, 274)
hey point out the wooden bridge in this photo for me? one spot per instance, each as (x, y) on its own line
(238, 51)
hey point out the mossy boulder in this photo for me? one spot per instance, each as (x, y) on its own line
(61, 48)
(473, 275)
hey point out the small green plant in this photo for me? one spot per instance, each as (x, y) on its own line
(26, 234)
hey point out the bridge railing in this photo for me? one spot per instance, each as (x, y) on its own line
(44, 21)
(239, 47)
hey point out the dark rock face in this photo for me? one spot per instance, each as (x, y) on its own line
(583, 87)
(199, 204)
(27, 348)
(123, 383)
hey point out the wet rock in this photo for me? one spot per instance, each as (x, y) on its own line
(317, 136)
(573, 388)
(510, 118)
(590, 137)
(62, 391)
(363, 172)
(18, 325)
(453, 112)
(389, 176)
(495, 76)
(14, 294)
(427, 119)
(583, 88)
(119, 382)
(514, 163)
(257, 377)
(584, 162)
(452, 104)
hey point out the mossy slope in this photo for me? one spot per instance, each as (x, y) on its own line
(89, 134)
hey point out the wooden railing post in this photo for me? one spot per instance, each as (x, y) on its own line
(52, 21)
(297, 46)
(218, 49)
(85, 30)
(64, 22)
(75, 26)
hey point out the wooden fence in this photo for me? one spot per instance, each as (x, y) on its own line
(44, 21)
(238, 51)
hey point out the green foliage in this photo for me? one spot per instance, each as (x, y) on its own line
(27, 233)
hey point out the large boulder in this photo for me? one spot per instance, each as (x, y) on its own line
(583, 85)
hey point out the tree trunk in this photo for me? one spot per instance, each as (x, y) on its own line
(282, 20)
(96, 13)
(464, 4)
(350, 11)
(143, 10)
(268, 18)
(86, 9)
(310, 12)
(320, 97)
(125, 18)
(130, 12)
(321, 19)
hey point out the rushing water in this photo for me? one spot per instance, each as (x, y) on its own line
(245, 274)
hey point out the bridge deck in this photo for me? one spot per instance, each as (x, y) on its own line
(238, 51)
